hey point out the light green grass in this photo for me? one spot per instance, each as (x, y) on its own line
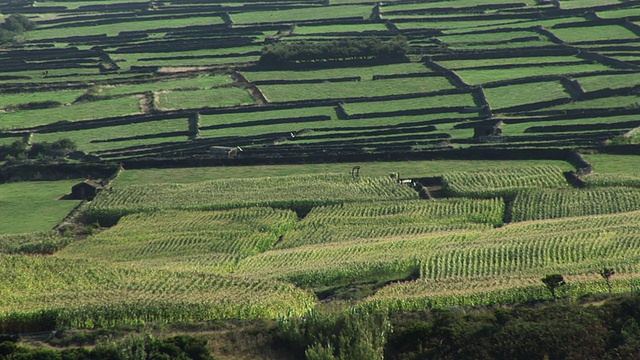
(200, 98)
(614, 164)
(302, 13)
(546, 60)
(485, 76)
(513, 95)
(140, 24)
(200, 82)
(34, 206)
(577, 4)
(354, 89)
(418, 103)
(365, 72)
(593, 83)
(80, 111)
(62, 97)
(602, 103)
(594, 33)
(339, 28)
(83, 138)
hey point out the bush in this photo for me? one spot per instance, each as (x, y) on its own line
(343, 49)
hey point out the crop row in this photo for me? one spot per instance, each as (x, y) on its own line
(290, 191)
(556, 203)
(502, 182)
(186, 237)
(350, 221)
(51, 292)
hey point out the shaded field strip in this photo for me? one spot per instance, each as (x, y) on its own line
(534, 106)
(454, 10)
(515, 66)
(534, 51)
(294, 154)
(556, 116)
(338, 133)
(220, 56)
(379, 137)
(73, 22)
(358, 147)
(294, 120)
(310, 81)
(426, 111)
(182, 45)
(544, 78)
(144, 137)
(622, 126)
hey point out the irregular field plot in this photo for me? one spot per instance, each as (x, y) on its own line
(86, 294)
(185, 239)
(365, 72)
(406, 104)
(594, 83)
(79, 111)
(201, 82)
(347, 222)
(33, 205)
(514, 95)
(355, 89)
(593, 33)
(103, 138)
(547, 60)
(294, 191)
(302, 13)
(548, 204)
(204, 98)
(487, 76)
(499, 182)
(139, 24)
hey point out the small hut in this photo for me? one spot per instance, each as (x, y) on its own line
(488, 131)
(86, 190)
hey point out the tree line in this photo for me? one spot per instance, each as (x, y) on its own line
(336, 50)
(13, 27)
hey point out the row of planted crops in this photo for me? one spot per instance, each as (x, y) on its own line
(247, 250)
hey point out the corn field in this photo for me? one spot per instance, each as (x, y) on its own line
(301, 191)
(350, 221)
(553, 203)
(502, 182)
(87, 293)
(206, 240)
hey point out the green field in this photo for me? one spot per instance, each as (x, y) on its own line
(270, 177)
(34, 206)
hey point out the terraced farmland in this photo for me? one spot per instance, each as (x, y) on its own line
(109, 65)
(180, 83)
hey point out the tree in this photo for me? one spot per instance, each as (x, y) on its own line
(553, 282)
(606, 274)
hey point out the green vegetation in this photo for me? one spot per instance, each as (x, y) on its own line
(303, 191)
(345, 49)
(13, 27)
(546, 204)
(34, 206)
(293, 254)
(502, 182)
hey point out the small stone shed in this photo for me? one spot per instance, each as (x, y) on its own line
(87, 189)
(488, 129)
